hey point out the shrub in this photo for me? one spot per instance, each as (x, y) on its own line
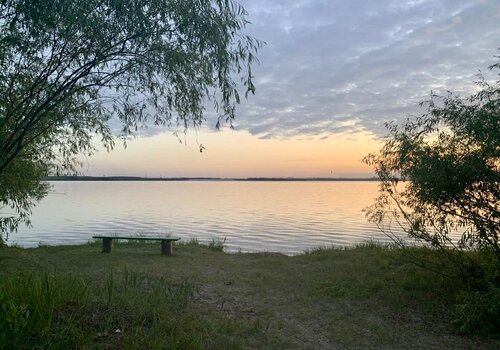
(478, 311)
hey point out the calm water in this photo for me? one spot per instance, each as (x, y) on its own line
(286, 217)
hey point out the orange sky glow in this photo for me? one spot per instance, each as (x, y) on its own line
(237, 154)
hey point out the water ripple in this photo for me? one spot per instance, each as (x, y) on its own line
(287, 217)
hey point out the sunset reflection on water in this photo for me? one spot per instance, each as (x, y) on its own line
(287, 217)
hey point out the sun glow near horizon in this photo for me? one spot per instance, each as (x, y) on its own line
(230, 153)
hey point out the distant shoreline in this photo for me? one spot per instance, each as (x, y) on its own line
(138, 178)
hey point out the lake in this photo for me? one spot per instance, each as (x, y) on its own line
(278, 216)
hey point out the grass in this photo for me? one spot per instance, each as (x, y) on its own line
(202, 298)
(217, 244)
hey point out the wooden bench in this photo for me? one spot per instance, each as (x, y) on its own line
(166, 242)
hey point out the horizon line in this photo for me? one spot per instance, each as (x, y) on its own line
(200, 178)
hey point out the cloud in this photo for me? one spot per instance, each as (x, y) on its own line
(344, 66)
(337, 66)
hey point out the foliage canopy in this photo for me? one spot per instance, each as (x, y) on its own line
(70, 70)
(451, 158)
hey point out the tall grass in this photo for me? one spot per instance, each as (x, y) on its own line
(53, 311)
(217, 244)
(30, 306)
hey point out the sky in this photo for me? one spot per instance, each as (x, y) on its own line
(330, 75)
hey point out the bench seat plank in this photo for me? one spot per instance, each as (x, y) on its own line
(166, 242)
(140, 238)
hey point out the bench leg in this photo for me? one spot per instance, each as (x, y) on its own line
(167, 248)
(107, 245)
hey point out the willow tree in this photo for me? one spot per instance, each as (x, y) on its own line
(69, 69)
(450, 157)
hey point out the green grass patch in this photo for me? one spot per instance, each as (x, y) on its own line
(369, 296)
(217, 244)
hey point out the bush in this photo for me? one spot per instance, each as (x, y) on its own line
(478, 312)
(449, 159)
